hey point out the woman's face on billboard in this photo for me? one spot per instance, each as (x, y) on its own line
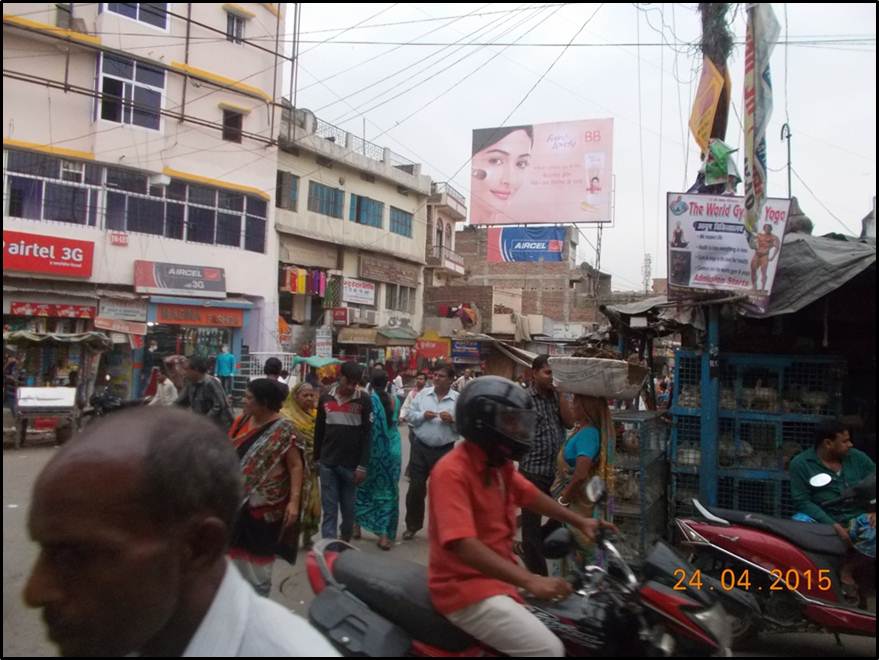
(499, 169)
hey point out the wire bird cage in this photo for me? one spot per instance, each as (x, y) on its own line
(769, 407)
(640, 477)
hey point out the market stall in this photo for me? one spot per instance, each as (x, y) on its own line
(45, 362)
(750, 397)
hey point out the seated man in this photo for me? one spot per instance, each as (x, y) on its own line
(833, 454)
(475, 493)
(133, 520)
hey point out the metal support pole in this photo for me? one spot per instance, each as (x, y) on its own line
(786, 135)
(710, 422)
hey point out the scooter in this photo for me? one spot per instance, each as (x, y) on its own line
(373, 606)
(791, 568)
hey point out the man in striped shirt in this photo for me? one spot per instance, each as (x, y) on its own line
(341, 447)
(539, 464)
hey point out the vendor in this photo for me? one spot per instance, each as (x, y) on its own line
(833, 454)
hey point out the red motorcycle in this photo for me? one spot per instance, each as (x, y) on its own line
(792, 569)
(375, 606)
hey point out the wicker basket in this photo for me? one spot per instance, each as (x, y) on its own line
(611, 379)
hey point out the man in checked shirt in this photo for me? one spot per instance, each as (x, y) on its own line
(539, 464)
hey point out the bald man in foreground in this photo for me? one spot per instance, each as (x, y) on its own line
(133, 519)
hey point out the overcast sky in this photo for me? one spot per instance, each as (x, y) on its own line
(829, 96)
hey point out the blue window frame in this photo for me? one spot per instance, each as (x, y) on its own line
(401, 222)
(366, 211)
(326, 200)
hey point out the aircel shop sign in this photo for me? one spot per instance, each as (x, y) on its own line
(179, 279)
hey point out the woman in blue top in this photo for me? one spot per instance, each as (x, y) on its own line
(583, 454)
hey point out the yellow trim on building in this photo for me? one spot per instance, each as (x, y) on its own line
(222, 80)
(234, 108)
(270, 6)
(72, 35)
(196, 178)
(238, 10)
(48, 149)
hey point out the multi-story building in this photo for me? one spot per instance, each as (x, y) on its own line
(545, 304)
(138, 167)
(351, 222)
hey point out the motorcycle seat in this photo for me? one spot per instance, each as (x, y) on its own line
(813, 537)
(397, 589)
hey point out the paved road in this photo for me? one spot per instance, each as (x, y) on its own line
(23, 633)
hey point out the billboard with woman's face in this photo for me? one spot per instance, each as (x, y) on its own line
(542, 173)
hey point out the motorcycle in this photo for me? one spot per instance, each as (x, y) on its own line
(372, 606)
(791, 568)
(105, 402)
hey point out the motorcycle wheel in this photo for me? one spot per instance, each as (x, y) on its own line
(745, 628)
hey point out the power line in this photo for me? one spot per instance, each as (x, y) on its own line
(461, 80)
(823, 205)
(443, 18)
(644, 44)
(406, 68)
(387, 52)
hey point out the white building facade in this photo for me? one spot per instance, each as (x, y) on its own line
(139, 169)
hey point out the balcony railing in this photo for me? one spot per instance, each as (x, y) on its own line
(442, 257)
(440, 187)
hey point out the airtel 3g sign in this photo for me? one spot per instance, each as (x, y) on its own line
(33, 253)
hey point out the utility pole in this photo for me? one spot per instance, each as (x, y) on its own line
(716, 45)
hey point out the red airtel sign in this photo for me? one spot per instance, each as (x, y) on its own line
(34, 253)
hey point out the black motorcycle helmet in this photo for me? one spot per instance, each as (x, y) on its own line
(497, 415)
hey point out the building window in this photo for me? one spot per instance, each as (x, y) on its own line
(400, 298)
(401, 222)
(131, 92)
(366, 211)
(151, 13)
(287, 191)
(232, 125)
(234, 28)
(40, 187)
(325, 200)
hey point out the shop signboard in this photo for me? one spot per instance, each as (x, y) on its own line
(179, 279)
(51, 255)
(127, 327)
(123, 310)
(358, 291)
(52, 311)
(340, 316)
(431, 346)
(323, 342)
(210, 317)
(710, 249)
(465, 352)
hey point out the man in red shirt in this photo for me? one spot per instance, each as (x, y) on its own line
(475, 494)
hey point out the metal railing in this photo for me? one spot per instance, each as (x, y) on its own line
(440, 187)
(438, 254)
(329, 132)
(252, 364)
(366, 148)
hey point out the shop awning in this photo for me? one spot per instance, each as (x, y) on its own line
(96, 340)
(316, 362)
(810, 267)
(396, 337)
(359, 336)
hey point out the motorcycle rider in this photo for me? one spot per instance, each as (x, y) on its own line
(474, 498)
(833, 454)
